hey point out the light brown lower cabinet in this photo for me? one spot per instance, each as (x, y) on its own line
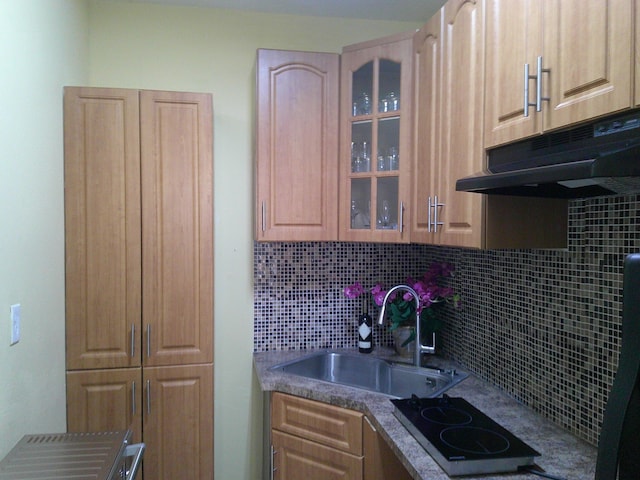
(312, 440)
(105, 400)
(168, 408)
(380, 463)
(300, 459)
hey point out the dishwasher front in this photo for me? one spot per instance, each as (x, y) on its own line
(81, 456)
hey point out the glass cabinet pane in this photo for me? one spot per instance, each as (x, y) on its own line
(361, 203)
(388, 157)
(387, 203)
(389, 86)
(362, 90)
(361, 147)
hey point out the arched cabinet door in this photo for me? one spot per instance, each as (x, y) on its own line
(297, 146)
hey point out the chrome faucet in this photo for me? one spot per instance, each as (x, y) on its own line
(420, 349)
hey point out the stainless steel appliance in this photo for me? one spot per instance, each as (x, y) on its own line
(81, 456)
(619, 444)
(461, 438)
(599, 158)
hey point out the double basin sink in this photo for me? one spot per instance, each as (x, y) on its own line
(373, 374)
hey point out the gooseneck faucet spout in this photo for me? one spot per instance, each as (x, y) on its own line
(420, 348)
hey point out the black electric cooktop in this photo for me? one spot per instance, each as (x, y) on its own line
(461, 438)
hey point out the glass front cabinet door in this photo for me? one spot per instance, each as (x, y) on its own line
(376, 150)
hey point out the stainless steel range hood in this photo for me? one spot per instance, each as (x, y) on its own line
(601, 158)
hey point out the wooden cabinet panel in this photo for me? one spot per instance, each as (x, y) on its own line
(300, 459)
(514, 38)
(380, 463)
(427, 103)
(297, 146)
(460, 213)
(178, 422)
(588, 49)
(177, 228)
(105, 400)
(636, 63)
(327, 424)
(102, 227)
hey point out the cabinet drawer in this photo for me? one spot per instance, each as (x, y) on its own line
(296, 458)
(326, 424)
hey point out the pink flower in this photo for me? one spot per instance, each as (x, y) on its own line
(354, 291)
(427, 288)
(378, 293)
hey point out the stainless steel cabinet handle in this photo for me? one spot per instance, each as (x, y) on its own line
(148, 397)
(401, 217)
(148, 340)
(133, 340)
(273, 464)
(264, 216)
(538, 79)
(435, 213)
(429, 215)
(133, 398)
(527, 78)
(526, 90)
(539, 97)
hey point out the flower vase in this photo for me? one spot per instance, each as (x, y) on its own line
(400, 335)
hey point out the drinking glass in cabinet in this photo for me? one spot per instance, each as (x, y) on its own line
(388, 140)
(362, 105)
(389, 86)
(362, 89)
(386, 213)
(387, 203)
(393, 158)
(360, 157)
(360, 203)
(389, 103)
(388, 160)
(382, 164)
(361, 146)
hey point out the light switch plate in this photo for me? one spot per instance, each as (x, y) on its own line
(16, 311)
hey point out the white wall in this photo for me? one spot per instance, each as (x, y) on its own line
(43, 46)
(213, 50)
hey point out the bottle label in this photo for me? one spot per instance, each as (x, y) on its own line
(365, 331)
(364, 344)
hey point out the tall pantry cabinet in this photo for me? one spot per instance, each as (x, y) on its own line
(139, 272)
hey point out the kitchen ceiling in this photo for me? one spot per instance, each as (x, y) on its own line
(400, 10)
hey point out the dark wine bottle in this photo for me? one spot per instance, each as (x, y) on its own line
(365, 329)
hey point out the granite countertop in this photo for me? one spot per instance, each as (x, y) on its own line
(562, 455)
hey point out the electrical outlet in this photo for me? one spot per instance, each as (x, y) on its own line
(16, 311)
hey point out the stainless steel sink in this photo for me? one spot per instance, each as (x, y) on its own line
(373, 374)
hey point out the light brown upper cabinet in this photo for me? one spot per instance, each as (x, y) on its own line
(297, 146)
(138, 204)
(579, 59)
(103, 243)
(449, 65)
(636, 67)
(449, 53)
(177, 227)
(375, 140)
(428, 80)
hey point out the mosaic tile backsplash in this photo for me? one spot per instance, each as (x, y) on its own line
(544, 325)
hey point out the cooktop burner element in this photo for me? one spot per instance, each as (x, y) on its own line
(461, 438)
